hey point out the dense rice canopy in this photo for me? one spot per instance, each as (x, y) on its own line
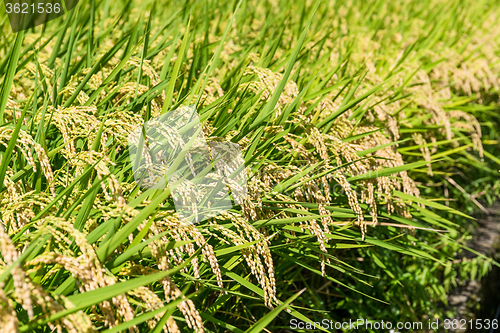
(355, 120)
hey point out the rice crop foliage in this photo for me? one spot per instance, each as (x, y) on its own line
(368, 132)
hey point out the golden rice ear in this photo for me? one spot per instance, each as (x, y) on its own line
(258, 256)
(187, 308)
(8, 316)
(28, 294)
(21, 287)
(25, 144)
(268, 82)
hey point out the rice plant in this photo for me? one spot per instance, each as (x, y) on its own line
(369, 137)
